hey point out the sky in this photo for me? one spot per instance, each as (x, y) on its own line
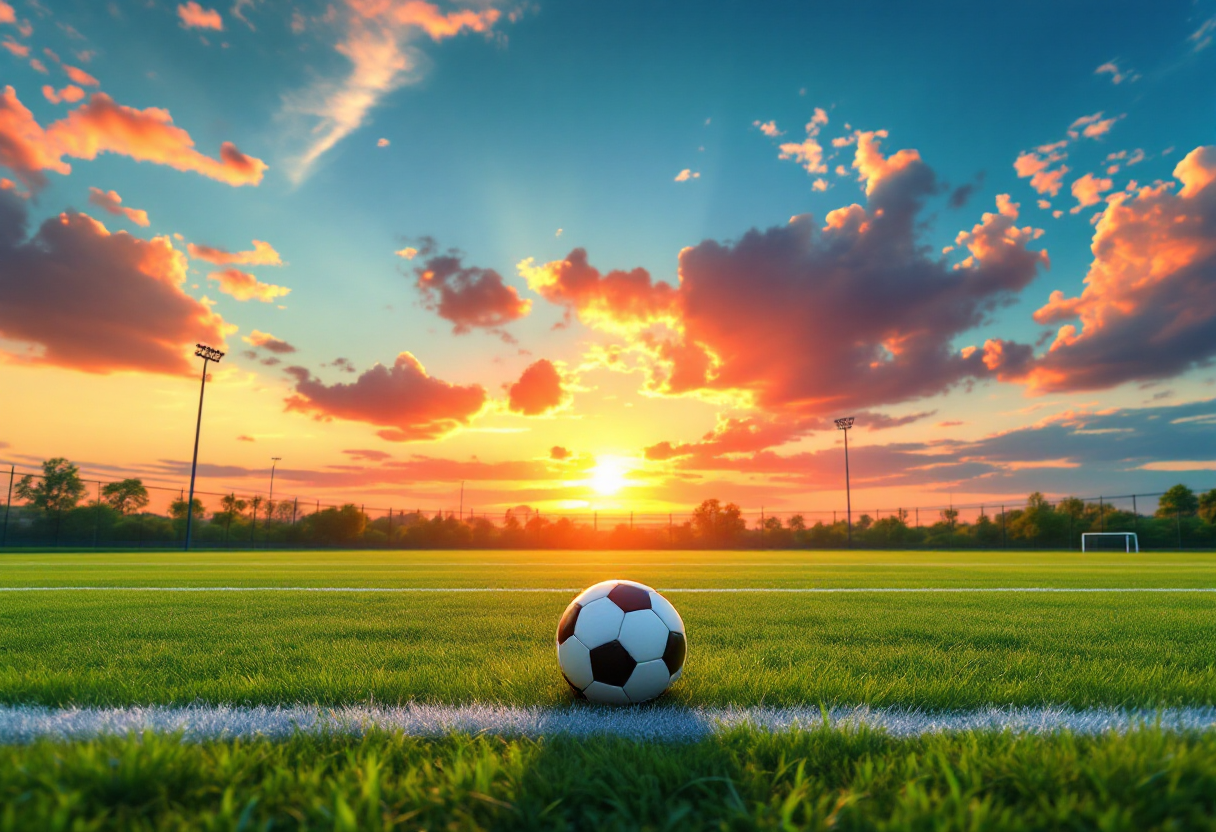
(612, 257)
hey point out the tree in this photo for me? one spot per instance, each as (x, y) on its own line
(125, 496)
(1178, 500)
(338, 525)
(59, 489)
(1074, 507)
(716, 521)
(1207, 506)
(177, 509)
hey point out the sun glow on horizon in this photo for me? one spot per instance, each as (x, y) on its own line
(608, 475)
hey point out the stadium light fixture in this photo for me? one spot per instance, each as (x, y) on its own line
(844, 425)
(208, 354)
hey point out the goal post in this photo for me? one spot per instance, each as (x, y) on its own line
(1110, 542)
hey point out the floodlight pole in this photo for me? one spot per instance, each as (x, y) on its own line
(845, 424)
(208, 354)
(274, 460)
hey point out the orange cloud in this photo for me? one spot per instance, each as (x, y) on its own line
(406, 403)
(268, 342)
(194, 16)
(1147, 310)
(1092, 126)
(79, 76)
(102, 126)
(686, 174)
(538, 391)
(92, 300)
(7, 15)
(1035, 167)
(244, 286)
(111, 203)
(18, 49)
(263, 254)
(873, 166)
(69, 94)
(1087, 190)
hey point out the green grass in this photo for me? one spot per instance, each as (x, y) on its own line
(661, 569)
(930, 651)
(824, 779)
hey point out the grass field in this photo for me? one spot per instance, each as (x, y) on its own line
(928, 650)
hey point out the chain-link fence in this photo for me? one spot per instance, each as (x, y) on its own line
(57, 511)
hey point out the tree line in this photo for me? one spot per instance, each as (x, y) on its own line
(58, 511)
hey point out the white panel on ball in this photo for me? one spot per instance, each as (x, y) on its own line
(606, 694)
(575, 659)
(595, 592)
(598, 623)
(647, 681)
(644, 635)
(664, 610)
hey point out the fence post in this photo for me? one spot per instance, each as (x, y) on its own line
(295, 504)
(1070, 531)
(1101, 515)
(761, 527)
(8, 504)
(1004, 536)
(1136, 521)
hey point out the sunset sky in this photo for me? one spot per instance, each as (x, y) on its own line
(612, 256)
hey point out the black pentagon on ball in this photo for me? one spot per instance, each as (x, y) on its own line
(673, 656)
(612, 664)
(629, 598)
(565, 627)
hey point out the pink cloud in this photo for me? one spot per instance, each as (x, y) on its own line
(1092, 126)
(768, 128)
(111, 203)
(1036, 167)
(244, 286)
(18, 49)
(102, 126)
(7, 15)
(69, 94)
(538, 391)
(79, 76)
(262, 254)
(92, 300)
(194, 16)
(406, 403)
(1147, 310)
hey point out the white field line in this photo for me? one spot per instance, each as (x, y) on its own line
(26, 723)
(576, 590)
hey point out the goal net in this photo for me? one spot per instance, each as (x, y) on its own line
(1110, 542)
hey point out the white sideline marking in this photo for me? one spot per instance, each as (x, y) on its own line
(26, 723)
(576, 590)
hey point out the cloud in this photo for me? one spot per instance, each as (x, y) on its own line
(812, 321)
(111, 203)
(194, 16)
(686, 174)
(1202, 37)
(408, 253)
(1036, 167)
(18, 49)
(102, 126)
(768, 128)
(69, 94)
(617, 301)
(1117, 76)
(539, 390)
(263, 254)
(1093, 126)
(406, 403)
(557, 452)
(244, 286)
(92, 300)
(244, 437)
(382, 143)
(368, 455)
(79, 76)
(467, 296)
(379, 41)
(7, 15)
(808, 153)
(238, 11)
(1148, 309)
(1087, 190)
(268, 342)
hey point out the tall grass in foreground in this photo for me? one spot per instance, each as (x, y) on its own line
(743, 780)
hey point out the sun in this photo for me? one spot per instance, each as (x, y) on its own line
(608, 476)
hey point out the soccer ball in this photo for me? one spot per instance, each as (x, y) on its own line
(620, 643)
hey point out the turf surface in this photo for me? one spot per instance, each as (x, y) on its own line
(933, 651)
(826, 779)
